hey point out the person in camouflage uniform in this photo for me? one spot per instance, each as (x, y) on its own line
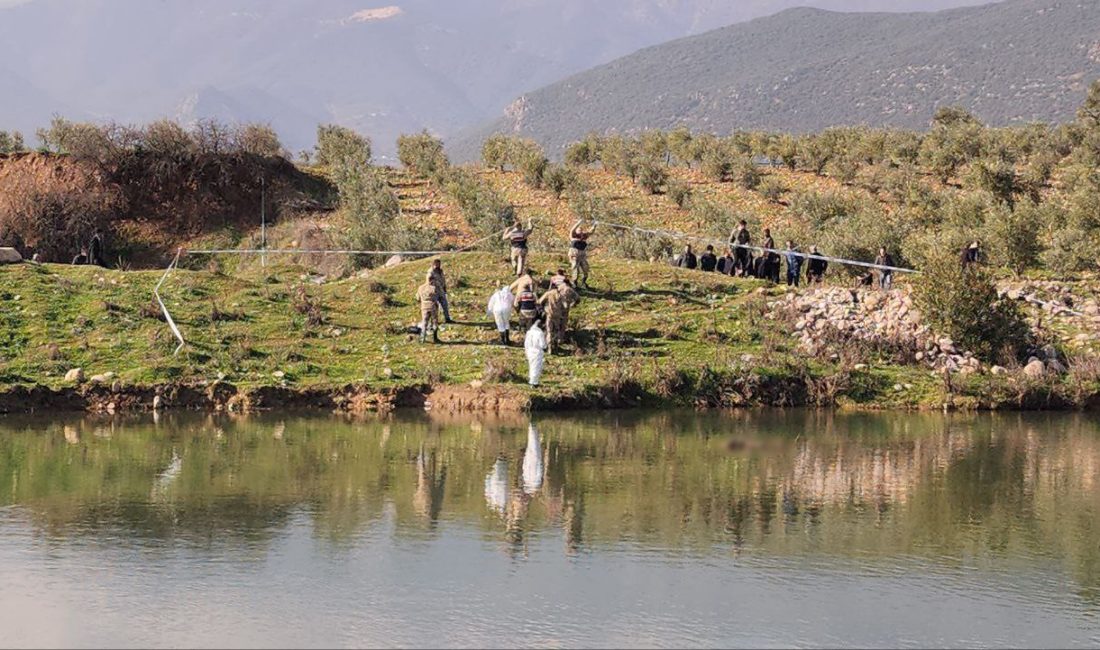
(557, 316)
(428, 297)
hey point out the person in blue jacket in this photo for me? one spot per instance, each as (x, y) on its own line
(794, 264)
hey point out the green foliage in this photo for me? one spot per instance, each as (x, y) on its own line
(260, 140)
(1012, 238)
(494, 153)
(559, 178)
(621, 156)
(338, 147)
(772, 189)
(652, 175)
(964, 305)
(680, 193)
(585, 152)
(422, 153)
(746, 174)
(485, 209)
(11, 142)
(717, 159)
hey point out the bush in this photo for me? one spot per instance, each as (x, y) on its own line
(652, 176)
(818, 208)
(963, 305)
(746, 174)
(1011, 236)
(534, 166)
(422, 153)
(494, 152)
(717, 162)
(680, 193)
(338, 146)
(559, 178)
(485, 209)
(772, 189)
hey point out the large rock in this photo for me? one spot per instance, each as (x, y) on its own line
(105, 378)
(394, 261)
(10, 256)
(75, 376)
(1035, 369)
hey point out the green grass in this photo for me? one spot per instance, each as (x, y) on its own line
(641, 322)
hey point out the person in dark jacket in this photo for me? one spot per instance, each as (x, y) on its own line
(95, 250)
(687, 259)
(740, 240)
(971, 254)
(771, 258)
(815, 268)
(726, 262)
(885, 276)
(794, 264)
(708, 261)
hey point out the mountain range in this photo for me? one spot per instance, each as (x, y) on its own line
(444, 65)
(807, 69)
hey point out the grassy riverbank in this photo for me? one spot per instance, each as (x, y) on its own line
(646, 334)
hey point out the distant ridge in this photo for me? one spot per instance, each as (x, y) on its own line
(808, 69)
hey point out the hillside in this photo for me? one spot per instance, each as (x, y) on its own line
(806, 69)
(381, 69)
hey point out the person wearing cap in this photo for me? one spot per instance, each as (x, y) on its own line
(578, 252)
(517, 236)
(428, 298)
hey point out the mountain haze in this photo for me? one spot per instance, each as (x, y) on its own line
(383, 68)
(808, 69)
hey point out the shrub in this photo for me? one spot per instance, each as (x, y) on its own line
(485, 209)
(772, 189)
(338, 146)
(745, 173)
(494, 152)
(652, 176)
(680, 193)
(559, 178)
(717, 162)
(963, 304)
(422, 153)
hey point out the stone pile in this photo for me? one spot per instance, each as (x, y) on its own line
(879, 317)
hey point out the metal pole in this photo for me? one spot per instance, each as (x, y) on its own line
(263, 221)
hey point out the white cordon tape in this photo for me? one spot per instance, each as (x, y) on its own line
(288, 251)
(711, 240)
(164, 308)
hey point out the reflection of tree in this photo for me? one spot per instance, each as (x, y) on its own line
(794, 482)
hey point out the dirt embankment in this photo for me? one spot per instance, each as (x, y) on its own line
(145, 204)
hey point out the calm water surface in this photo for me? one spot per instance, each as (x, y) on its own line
(670, 529)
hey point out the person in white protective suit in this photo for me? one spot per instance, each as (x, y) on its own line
(500, 309)
(535, 346)
(532, 462)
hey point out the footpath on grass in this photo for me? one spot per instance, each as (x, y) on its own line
(646, 335)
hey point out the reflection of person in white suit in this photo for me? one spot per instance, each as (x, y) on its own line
(496, 486)
(535, 346)
(500, 309)
(532, 462)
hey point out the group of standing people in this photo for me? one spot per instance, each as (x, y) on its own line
(739, 261)
(543, 308)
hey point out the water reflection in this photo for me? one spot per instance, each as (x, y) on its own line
(774, 484)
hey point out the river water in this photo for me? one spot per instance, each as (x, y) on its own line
(766, 528)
